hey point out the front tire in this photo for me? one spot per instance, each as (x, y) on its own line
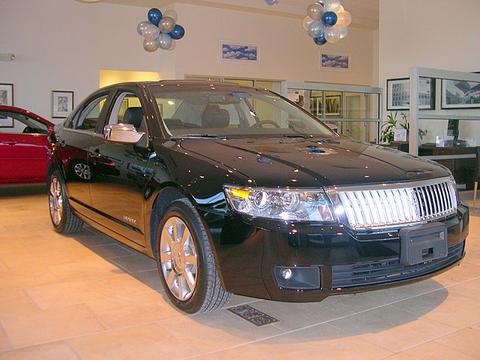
(186, 262)
(64, 221)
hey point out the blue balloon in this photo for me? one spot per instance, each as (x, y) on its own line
(178, 32)
(320, 40)
(329, 18)
(154, 16)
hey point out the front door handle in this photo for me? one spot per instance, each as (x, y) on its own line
(10, 143)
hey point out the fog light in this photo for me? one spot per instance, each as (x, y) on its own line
(287, 274)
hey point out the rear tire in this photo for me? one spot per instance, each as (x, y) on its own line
(186, 262)
(64, 221)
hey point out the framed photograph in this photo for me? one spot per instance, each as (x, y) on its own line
(398, 94)
(458, 94)
(62, 103)
(6, 94)
(239, 52)
(333, 105)
(335, 61)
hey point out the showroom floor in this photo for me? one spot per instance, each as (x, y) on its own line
(86, 296)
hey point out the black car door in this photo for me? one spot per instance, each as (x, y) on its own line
(121, 171)
(75, 138)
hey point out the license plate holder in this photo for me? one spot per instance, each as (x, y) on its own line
(423, 243)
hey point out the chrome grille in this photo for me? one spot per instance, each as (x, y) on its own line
(400, 204)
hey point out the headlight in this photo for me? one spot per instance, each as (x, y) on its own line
(281, 204)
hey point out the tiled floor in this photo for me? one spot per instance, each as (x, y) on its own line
(89, 297)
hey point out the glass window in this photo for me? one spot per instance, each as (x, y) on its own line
(226, 112)
(88, 117)
(17, 123)
(128, 109)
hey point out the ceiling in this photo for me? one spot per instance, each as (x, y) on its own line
(364, 12)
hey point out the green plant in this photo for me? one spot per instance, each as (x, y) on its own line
(388, 127)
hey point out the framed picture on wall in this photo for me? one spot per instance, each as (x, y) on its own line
(62, 103)
(458, 94)
(398, 94)
(239, 52)
(335, 61)
(333, 105)
(6, 94)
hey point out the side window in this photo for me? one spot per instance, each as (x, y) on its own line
(88, 117)
(16, 123)
(128, 110)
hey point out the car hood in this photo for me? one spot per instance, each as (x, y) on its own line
(298, 162)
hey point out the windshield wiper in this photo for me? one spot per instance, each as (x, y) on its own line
(197, 136)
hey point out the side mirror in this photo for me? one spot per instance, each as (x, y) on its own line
(122, 133)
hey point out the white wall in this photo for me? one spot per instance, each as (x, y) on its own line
(442, 34)
(286, 52)
(62, 45)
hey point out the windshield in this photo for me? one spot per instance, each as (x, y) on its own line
(217, 111)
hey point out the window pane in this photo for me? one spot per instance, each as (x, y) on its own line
(16, 123)
(88, 118)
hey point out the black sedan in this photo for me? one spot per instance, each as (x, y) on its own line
(238, 190)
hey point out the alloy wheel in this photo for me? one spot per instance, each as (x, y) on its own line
(178, 256)
(56, 201)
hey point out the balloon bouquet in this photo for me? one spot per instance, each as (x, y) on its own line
(327, 21)
(161, 30)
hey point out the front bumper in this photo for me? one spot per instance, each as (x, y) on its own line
(250, 257)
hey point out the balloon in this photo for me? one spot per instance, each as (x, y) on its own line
(272, 2)
(329, 18)
(320, 40)
(332, 5)
(306, 22)
(154, 16)
(343, 32)
(316, 28)
(173, 46)
(332, 34)
(150, 45)
(141, 27)
(321, 3)
(151, 32)
(166, 25)
(315, 11)
(165, 41)
(344, 19)
(177, 33)
(171, 13)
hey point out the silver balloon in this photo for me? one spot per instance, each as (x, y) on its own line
(332, 34)
(315, 11)
(165, 41)
(306, 22)
(151, 32)
(166, 24)
(343, 32)
(321, 3)
(315, 29)
(173, 46)
(150, 45)
(171, 14)
(141, 27)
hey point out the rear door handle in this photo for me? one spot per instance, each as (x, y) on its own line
(10, 143)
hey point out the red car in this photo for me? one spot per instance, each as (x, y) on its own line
(23, 146)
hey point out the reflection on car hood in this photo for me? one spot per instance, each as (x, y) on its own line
(314, 162)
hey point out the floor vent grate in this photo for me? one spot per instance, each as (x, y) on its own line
(252, 315)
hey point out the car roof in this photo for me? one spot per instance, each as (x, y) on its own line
(26, 112)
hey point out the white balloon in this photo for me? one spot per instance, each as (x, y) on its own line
(141, 27)
(306, 22)
(171, 13)
(150, 45)
(166, 24)
(343, 32)
(332, 5)
(332, 34)
(315, 11)
(151, 32)
(316, 28)
(344, 18)
(165, 41)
